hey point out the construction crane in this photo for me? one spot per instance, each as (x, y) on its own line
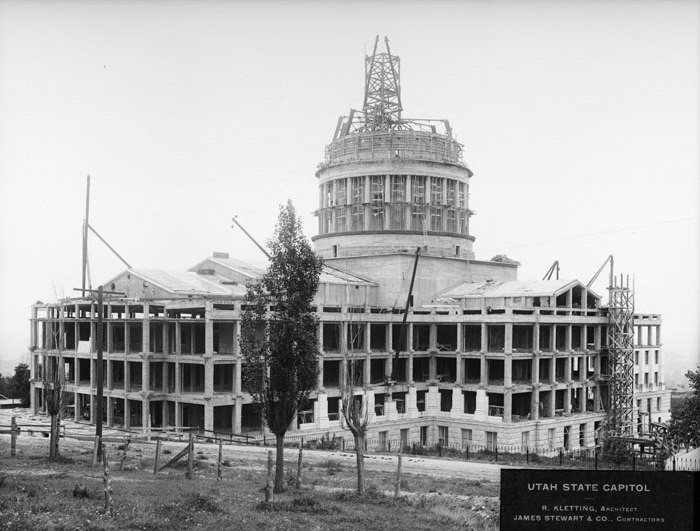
(554, 267)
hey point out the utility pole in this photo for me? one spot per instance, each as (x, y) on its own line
(98, 370)
(100, 386)
(85, 232)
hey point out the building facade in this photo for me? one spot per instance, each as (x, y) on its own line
(484, 358)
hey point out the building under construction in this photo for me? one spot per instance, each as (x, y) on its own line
(449, 349)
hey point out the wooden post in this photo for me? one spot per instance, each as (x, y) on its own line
(218, 463)
(107, 482)
(270, 478)
(190, 457)
(121, 462)
(397, 490)
(155, 464)
(96, 450)
(299, 463)
(13, 436)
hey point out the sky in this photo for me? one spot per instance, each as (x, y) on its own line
(580, 121)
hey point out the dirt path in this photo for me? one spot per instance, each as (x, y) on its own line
(255, 456)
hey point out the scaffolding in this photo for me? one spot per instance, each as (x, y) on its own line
(621, 359)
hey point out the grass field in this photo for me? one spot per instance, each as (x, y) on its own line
(38, 495)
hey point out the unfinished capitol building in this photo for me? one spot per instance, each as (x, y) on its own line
(484, 358)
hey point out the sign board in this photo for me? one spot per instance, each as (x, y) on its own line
(598, 499)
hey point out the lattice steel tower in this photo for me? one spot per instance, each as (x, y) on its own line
(621, 360)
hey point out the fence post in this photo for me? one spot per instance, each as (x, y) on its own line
(595, 453)
(343, 443)
(218, 462)
(561, 457)
(496, 448)
(467, 458)
(13, 436)
(634, 463)
(527, 455)
(190, 457)
(270, 476)
(155, 464)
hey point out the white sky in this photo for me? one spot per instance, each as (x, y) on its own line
(579, 119)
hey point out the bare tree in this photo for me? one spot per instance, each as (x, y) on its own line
(356, 416)
(53, 379)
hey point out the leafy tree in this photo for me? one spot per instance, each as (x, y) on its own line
(20, 384)
(6, 386)
(684, 428)
(278, 331)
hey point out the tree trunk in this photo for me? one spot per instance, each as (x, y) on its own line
(360, 454)
(53, 436)
(279, 465)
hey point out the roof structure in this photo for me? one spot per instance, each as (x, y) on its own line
(185, 282)
(513, 288)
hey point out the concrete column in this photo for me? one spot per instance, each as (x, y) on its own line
(553, 329)
(411, 403)
(178, 379)
(583, 393)
(110, 337)
(508, 344)
(484, 376)
(536, 337)
(567, 369)
(551, 405)
(484, 338)
(508, 371)
(482, 405)
(567, 338)
(432, 337)
(127, 377)
(166, 338)
(432, 400)
(145, 415)
(432, 367)
(145, 374)
(208, 376)
(208, 331)
(596, 399)
(367, 373)
(208, 416)
(567, 399)
(389, 366)
(319, 362)
(409, 337)
(407, 208)
(178, 337)
(127, 413)
(508, 406)
(110, 377)
(76, 408)
(457, 403)
(368, 339)
(146, 329)
(552, 370)
(535, 369)
(459, 369)
(110, 412)
(409, 369)
(237, 406)
(178, 414)
(127, 332)
(237, 385)
(535, 404)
